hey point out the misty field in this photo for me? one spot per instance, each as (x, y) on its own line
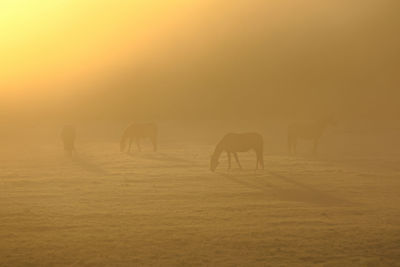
(165, 208)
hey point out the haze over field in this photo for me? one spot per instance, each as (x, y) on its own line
(165, 58)
(313, 84)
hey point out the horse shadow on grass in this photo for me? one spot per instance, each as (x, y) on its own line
(87, 165)
(163, 158)
(295, 192)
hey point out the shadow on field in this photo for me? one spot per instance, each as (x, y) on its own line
(309, 193)
(162, 157)
(89, 166)
(264, 187)
(299, 193)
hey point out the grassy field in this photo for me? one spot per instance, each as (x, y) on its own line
(106, 208)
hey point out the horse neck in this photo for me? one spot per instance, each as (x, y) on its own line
(218, 150)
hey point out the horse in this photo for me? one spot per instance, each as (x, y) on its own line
(68, 135)
(139, 131)
(308, 131)
(233, 143)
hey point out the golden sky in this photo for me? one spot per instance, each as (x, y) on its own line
(47, 42)
(50, 48)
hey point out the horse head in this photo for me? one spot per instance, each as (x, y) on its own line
(214, 162)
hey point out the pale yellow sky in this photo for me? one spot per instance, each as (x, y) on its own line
(48, 42)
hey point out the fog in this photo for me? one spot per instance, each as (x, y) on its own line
(209, 133)
(223, 59)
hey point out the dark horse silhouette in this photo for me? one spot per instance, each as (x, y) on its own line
(308, 131)
(139, 131)
(233, 143)
(68, 135)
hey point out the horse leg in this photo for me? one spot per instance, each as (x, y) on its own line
(138, 144)
(130, 145)
(154, 141)
(294, 145)
(229, 160)
(315, 146)
(67, 149)
(73, 151)
(260, 159)
(237, 159)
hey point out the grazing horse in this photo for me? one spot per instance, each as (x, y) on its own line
(310, 131)
(68, 136)
(139, 131)
(233, 143)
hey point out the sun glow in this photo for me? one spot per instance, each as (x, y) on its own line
(46, 43)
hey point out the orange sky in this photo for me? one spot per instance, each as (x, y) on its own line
(47, 42)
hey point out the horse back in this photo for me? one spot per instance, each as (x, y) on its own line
(304, 130)
(144, 130)
(240, 142)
